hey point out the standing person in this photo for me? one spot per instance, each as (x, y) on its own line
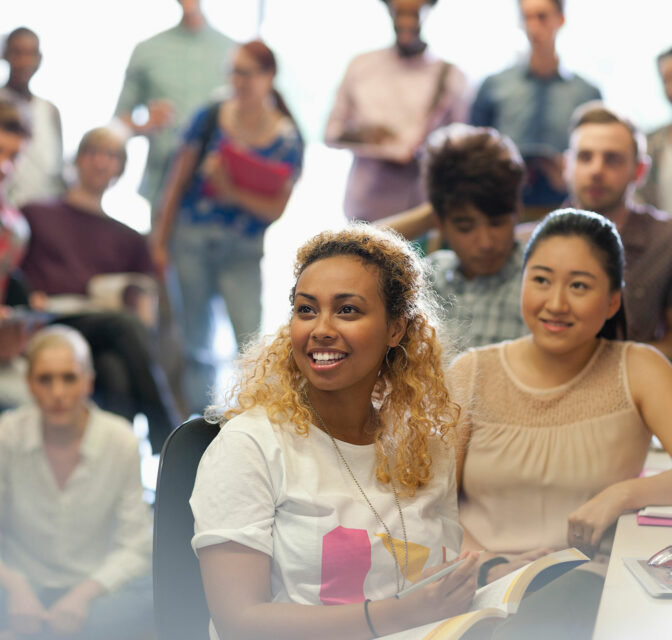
(38, 174)
(171, 74)
(76, 534)
(605, 163)
(212, 224)
(560, 421)
(657, 191)
(388, 101)
(334, 484)
(532, 102)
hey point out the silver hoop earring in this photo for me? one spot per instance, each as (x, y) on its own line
(403, 350)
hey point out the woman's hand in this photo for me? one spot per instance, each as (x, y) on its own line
(589, 522)
(25, 611)
(217, 174)
(448, 596)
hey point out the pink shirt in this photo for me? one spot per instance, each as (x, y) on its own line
(384, 88)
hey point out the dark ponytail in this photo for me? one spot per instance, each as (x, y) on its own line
(265, 58)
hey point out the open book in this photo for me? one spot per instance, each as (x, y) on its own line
(497, 600)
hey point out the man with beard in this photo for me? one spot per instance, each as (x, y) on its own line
(388, 101)
(605, 162)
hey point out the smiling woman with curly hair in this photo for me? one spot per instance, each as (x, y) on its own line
(333, 483)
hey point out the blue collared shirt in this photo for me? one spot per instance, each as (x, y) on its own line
(534, 112)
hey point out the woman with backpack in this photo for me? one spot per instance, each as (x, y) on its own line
(231, 178)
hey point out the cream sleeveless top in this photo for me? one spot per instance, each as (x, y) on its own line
(536, 455)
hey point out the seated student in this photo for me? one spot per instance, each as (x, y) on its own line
(560, 421)
(605, 162)
(334, 482)
(73, 239)
(72, 242)
(14, 234)
(75, 533)
(473, 177)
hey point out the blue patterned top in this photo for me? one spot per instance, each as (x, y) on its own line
(197, 207)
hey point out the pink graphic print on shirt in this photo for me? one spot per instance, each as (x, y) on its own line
(346, 559)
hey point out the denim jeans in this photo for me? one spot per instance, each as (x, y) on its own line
(214, 260)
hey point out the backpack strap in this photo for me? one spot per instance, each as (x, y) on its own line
(209, 129)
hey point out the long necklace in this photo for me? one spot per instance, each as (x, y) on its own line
(397, 564)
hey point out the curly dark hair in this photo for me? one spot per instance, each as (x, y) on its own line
(476, 166)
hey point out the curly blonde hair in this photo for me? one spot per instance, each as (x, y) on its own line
(413, 401)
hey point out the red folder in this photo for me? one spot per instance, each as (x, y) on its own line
(254, 172)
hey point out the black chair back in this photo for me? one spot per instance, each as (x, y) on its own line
(180, 608)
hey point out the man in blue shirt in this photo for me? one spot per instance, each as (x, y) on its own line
(532, 103)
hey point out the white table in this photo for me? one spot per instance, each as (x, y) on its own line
(626, 611)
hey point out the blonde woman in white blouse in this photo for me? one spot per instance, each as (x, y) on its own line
(75, 535)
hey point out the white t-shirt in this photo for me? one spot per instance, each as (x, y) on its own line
(264, 486)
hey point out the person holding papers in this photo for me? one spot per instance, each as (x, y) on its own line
(230, 180)
(560, 421)
(333, 482)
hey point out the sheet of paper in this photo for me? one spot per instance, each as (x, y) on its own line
(654, 511)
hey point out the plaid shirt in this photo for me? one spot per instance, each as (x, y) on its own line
(482, 310)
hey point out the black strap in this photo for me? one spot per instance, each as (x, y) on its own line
(209, 129)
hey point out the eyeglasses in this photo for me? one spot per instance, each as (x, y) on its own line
(245, 73)
(95, 150)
